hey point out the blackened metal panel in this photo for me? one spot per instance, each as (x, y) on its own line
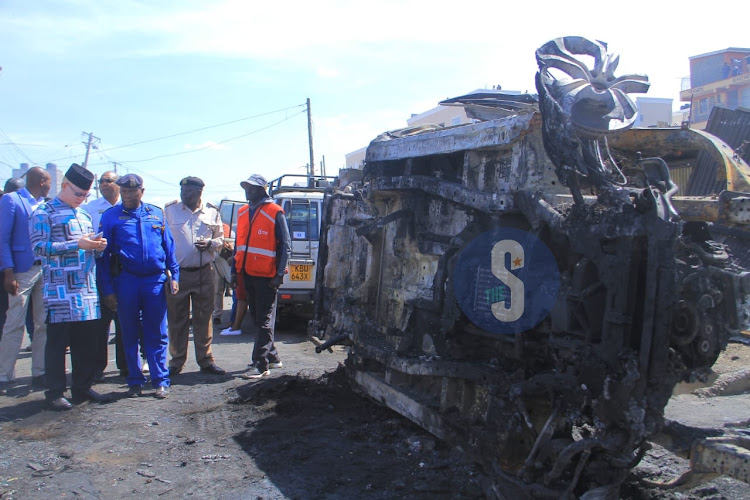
(731, 126)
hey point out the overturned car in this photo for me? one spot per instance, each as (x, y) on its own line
(531, 288)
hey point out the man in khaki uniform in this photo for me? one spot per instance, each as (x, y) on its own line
(198, 236)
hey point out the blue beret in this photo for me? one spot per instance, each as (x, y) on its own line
(130, 181)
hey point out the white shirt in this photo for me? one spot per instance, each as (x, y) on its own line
(187, 227)
(96, 208)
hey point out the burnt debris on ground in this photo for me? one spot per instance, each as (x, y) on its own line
(316, 438)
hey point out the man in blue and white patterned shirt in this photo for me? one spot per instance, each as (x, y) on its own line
(63, 236)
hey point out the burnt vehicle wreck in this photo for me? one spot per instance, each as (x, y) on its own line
(642, 296)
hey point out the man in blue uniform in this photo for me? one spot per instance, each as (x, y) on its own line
(133, 272)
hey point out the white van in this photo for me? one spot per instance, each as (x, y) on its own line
(301, 197)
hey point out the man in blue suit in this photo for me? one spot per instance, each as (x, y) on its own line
(22, 277)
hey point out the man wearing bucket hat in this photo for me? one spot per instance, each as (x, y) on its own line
(62, 235)
(261, 256)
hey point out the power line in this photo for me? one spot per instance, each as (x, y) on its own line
(217, 143)
(15, 146)
(190, 131)
(129, 168)
(127, 164)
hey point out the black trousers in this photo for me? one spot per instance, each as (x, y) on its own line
(102, 341)
(81, 336)
(262, 301)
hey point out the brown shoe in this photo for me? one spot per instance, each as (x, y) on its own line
(213, 369)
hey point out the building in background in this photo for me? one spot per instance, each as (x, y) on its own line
(356, 159)
(55, 173)
(720, 78)
(654, 112)
(444, 116)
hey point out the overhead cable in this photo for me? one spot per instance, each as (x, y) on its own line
(216, 143)
(190, 131)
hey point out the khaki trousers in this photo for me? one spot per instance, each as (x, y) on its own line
(218, 295)
(196, 292)
(29, 285)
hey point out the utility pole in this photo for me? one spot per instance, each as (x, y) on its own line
(90, 142)
(309, 137)
(114, 163)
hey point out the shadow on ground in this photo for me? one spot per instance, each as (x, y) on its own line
(316, 438)
(22, 410)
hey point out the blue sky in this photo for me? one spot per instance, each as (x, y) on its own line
(134, 71)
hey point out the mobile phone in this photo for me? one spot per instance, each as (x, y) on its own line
(97, 236)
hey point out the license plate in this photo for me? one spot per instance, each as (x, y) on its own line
(300, 272)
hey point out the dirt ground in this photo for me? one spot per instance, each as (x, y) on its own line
(301, 433)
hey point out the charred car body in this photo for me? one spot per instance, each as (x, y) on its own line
(642, 295)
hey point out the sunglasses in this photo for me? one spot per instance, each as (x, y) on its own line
(78, 194)
(106, 181)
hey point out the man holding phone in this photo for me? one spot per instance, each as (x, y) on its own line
(62, 235)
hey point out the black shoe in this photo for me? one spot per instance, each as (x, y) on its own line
(124, 373)
(134, 391)
(60, 404)
(217, 321)
(91, 395)
(173, 370)
(38, 383)
(3, 388)
(99, 377)
(213, 369)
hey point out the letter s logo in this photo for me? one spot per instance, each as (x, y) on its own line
(499, 250)
(484, 284)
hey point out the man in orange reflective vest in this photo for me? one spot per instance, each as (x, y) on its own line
(262, 248)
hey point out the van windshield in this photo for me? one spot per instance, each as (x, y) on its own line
(302, 217)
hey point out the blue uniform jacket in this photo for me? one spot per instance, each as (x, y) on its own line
(141, 239)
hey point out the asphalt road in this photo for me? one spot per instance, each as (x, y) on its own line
(300, 433)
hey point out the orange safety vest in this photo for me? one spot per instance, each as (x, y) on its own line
(257, 248)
